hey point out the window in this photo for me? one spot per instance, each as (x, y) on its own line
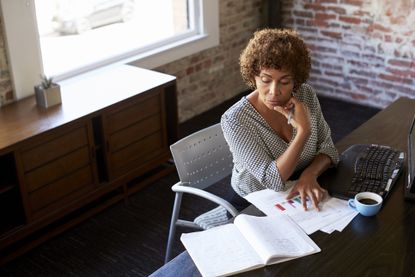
(63, 38)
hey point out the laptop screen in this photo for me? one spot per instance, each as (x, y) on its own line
(411, 157)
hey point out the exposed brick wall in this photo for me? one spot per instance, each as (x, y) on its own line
(363, 51)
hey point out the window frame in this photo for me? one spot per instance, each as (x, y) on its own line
(24, 53)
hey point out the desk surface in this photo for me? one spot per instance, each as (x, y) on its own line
(370, 246)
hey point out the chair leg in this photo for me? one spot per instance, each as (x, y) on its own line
(172, 231)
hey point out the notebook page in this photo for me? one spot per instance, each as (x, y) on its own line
(221, 251)
(275, 237)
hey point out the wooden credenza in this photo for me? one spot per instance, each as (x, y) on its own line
(109, 138)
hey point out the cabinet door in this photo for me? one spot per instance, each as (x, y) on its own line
(136, 134)
(58, 168)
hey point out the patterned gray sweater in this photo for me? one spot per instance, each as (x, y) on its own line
(255, 146)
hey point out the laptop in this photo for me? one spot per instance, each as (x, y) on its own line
(371, 167)
(410, 180)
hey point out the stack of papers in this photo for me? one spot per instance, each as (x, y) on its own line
(334, 215)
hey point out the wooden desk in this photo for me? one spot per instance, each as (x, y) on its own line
(370, 246)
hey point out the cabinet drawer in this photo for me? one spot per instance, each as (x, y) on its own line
(137, 154)
(57, 169)
(61, 191)
(137, 110)
(134, 133)
(53, 148)
(58, 166)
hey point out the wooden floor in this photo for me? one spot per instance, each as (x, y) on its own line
(129, 239)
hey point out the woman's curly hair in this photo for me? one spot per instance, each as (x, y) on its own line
(276, 49)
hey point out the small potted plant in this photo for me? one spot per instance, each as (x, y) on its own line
(48, 93)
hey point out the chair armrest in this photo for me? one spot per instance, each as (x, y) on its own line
(180, 187)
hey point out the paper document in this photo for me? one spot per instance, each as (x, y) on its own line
(250, 242)
(329, 218)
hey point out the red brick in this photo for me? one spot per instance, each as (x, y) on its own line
(381, 84)
(207, 63)
(374, 58)
(355, 46)
(388, 38)
(322, 88)
(335, 35)
(326, 1)
(358, 96)
(365, 89)
(401, 63)
(329, 82)
(334, 74)
(316, 71)
(408, 91)
(379, 27)
(391, 95)
(303, 14)
(370, 48)
(332, 66)
(198, 67)
(394, 78)
(337, 10)
(362, 72)
(361, 13)
(399, 20)
(195, 59)
(318, 23)
(300, 21)
(288, 21)
(190, 70)
(351, 54)
(359, 63)
(349, 19)
(401, 73)
(325, 16)
(399, 40)
(357, 80)
(352, 2)
(314, 6)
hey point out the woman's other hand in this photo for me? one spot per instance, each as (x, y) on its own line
(308, 187)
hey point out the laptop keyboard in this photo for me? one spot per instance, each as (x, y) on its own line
(377, 170)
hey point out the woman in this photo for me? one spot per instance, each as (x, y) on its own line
(278, 129)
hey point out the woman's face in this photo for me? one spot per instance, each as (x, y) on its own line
(275, 87)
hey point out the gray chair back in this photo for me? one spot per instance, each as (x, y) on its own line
(203, 158)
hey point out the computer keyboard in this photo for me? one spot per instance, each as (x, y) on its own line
(377, 169)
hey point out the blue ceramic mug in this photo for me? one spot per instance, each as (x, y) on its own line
(366, 203)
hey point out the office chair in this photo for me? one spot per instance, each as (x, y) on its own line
(202, 159)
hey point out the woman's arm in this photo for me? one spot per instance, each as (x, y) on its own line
(287, 162)
(307, 185)
(300, 120)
